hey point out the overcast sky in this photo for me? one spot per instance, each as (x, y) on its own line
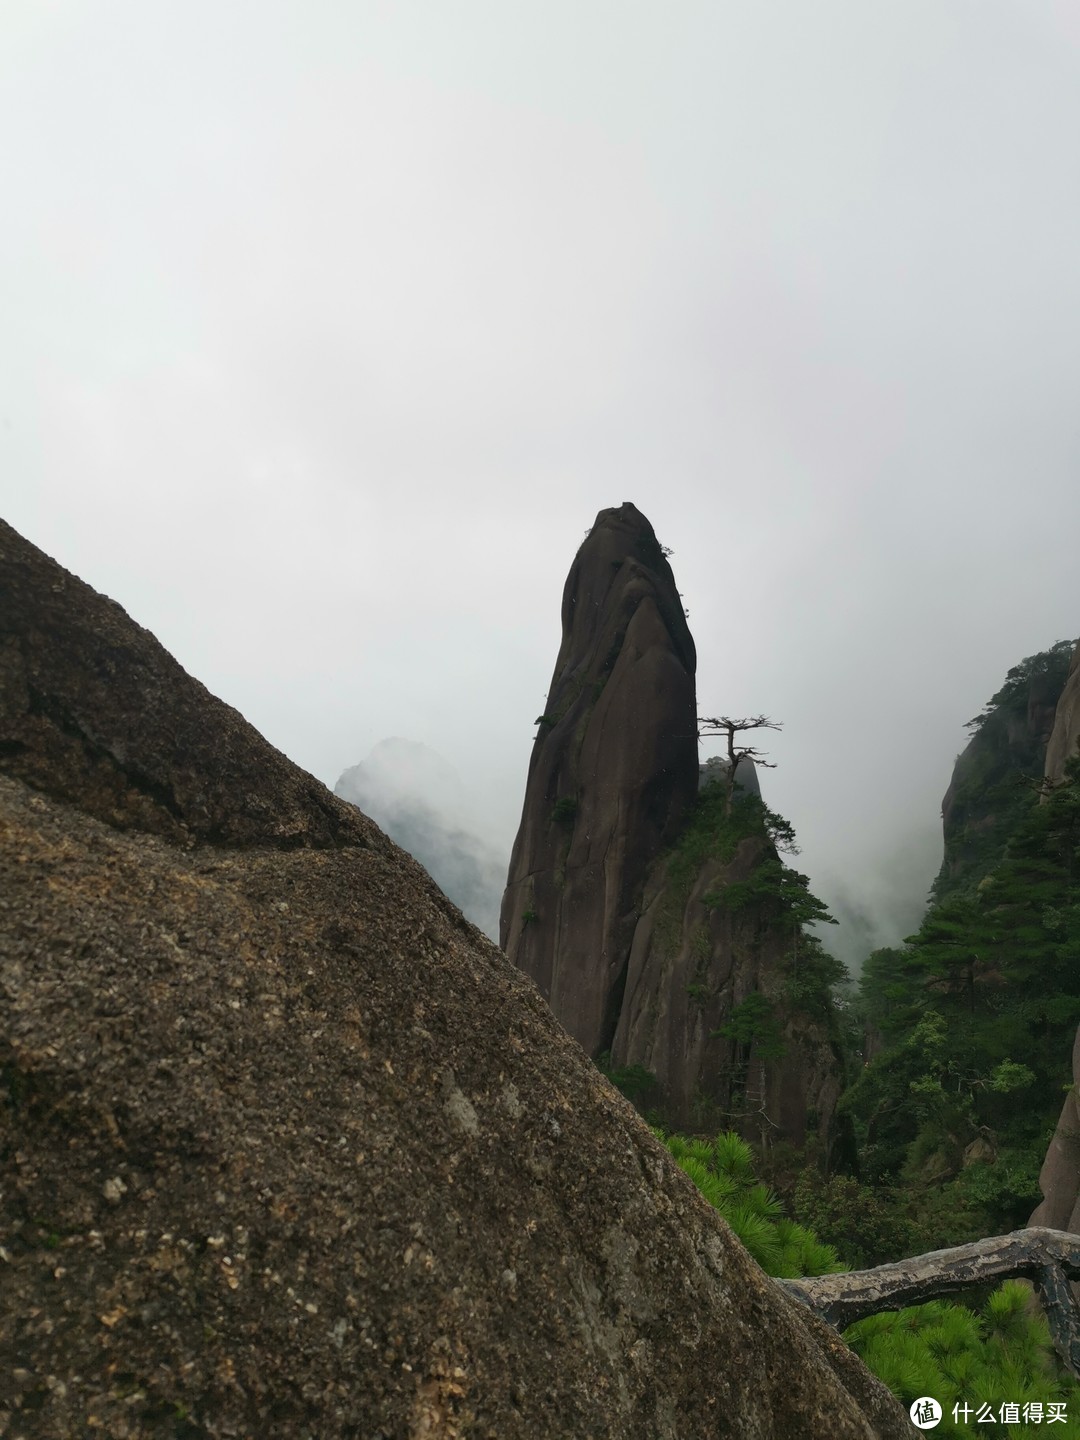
(327, 329)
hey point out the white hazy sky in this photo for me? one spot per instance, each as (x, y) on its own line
(329, 327)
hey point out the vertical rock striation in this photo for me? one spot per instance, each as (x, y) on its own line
(1059, 1178)
(613, 772)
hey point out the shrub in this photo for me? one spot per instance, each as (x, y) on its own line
(858, 1221)
(754, 1023)
(633, 1081)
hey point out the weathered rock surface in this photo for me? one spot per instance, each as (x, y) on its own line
(633, 962)
(1059, 1178)
(287, 1148)
(979, 809)
(1065, 734)
(692, 964)
(613, 771)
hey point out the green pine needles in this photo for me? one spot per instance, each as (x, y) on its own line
(722, 1169)
(959, 1356)
(962, 1358)
(977, 1015)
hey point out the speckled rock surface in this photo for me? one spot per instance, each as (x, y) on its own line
(287, 1147)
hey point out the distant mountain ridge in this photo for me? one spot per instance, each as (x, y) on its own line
(413, 794)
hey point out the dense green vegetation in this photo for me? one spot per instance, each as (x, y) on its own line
(957, 1046)
(723, 1170)
(773, 893)
(998, 1354)
(994, 784)
(976, 1018)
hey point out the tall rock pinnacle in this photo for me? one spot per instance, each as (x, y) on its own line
(613, 772)
(659, 922)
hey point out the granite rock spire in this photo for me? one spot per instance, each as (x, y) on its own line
(613, 771)
(627, 871)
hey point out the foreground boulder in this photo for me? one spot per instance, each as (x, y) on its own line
(287, 1147)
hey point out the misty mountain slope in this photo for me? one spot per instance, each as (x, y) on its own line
(413, 794)
(287, 1148)
(714, 771)
(986, 797)
(975, 1016)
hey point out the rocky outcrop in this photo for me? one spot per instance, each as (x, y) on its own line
(416, 797)
(609, 906)
(614, 769)
(986, 798)
(1059, 1178)
(286, 1146)
(1064, 740)
(699, 968)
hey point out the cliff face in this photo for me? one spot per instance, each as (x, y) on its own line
(613, 910)
(286, 1146)
(698, 968)
(613, 771)
(1065, 734)
(1059, 1178)
(984, 800)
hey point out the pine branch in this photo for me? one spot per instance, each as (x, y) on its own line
(1049, 1258)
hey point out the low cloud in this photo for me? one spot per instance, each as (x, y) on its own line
(417, 797)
